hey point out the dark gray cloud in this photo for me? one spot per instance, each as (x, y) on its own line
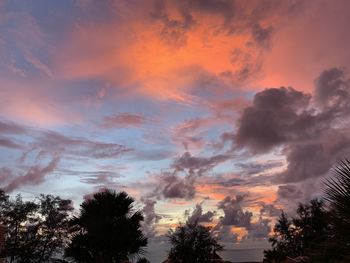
(171, 185)
(180, 182)
(289, 192)
(312, 131)
(314, 159)
(224, 234)
(272, 119)
(197, 215)
(233, 212)
(234, 215)
(259, 230)
(198, 165)
(270, 210)
(332, 88)
(254, 168)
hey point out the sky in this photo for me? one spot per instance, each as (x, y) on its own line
(221, 111)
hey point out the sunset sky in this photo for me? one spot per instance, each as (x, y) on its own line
(223, 111)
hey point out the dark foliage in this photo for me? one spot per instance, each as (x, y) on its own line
(107, 230)
(301, 235)
(143, 260)
(192, 243)
(337, 193)
(36, 231)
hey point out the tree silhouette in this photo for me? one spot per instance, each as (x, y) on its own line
(107, 230)
(337, 193)
(283, 240)
(303, 235)
(192, 243)
(143, 260)
(36, 230)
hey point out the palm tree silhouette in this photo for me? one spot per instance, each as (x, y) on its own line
(107, 230)
(337, 193)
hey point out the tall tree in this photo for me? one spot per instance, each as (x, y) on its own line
(192, 243)
(107, 230)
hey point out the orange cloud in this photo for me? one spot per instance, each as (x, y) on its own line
(134, 54)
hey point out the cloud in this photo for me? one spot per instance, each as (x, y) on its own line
(184, 171)
(225, 234)
(80, 146)
(272, 119)
(174, 186)
(37, 145)
(100, 179)
(233, 212)
(255, 168)
(8, 143)
(151, 218)
(162, 47)
(7, 127)
(198, 165)
(312, 131)
(197, 215)
(314, 159)
(332, 89)
(35, 175)
(188, 133)
(262, 36)
(289, 192)
(260, 229)
(123, 120)
(270, 210)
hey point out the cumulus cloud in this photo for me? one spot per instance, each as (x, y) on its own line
(270, 210)
(197, 215)
(260, 229)
(233, 212)
(236, 216)
(151, 218)
(311, 130)
(272, 119)
(174, 186)
(225, 234)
